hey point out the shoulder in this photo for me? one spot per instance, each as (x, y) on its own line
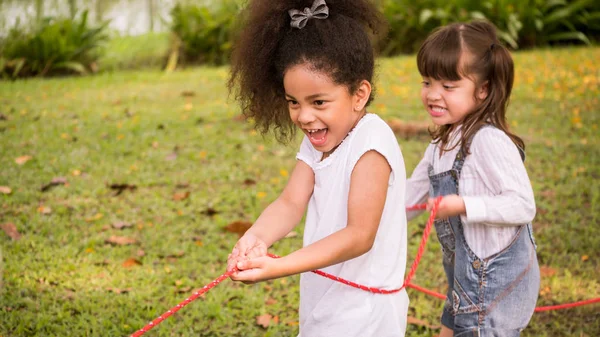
(493, 141)
(374, 134)
(374, 129)
(490, 137)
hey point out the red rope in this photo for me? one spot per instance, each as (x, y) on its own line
(411, 273)
(176, 308)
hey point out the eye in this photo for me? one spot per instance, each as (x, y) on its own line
(425, 84)
(319, 102)
(448, 87)
(292, 102)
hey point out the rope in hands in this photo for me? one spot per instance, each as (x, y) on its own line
(406, 283)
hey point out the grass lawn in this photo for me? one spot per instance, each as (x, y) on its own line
(150, 168)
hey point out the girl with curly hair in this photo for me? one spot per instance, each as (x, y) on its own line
(308, 66)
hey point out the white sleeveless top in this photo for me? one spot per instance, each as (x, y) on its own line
(329, 308)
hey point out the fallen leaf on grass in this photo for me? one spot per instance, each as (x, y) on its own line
(183, 290)
(44, 210)
(121, 187)
(120, 240)
(11, 230)
(210, 211)
(132, 262)
(238, 227)
(118, 291)
(22, 159)
(249, 182)
(5, 190)
(584, 258)
(264, 320)
(270, 301)
(121, 225)
(546, 271)
(55, 182)
(181, 196)
(140, 252)
(420, 322)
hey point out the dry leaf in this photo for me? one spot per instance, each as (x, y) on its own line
(132, 262)
(182, 185)
(584, 258)
(546, 271)
(22, 159)
(264, 320)
(121, 187)
(121, 225)
(210, 211)
(5, 190)
(11, 230)
(420, 322)
(239, 227)
(44, 210)
(183, 290)
(181, 196)
(55, 182)
(270, 301)
(118, 291)
(140, 252)
(120, 240)
(249, 182)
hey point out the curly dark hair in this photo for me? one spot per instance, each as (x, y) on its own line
(440, 58)
(339, 46)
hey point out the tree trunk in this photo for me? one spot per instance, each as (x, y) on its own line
(151, 11)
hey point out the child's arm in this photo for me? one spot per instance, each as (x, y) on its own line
(417, 186)
(502, 172)
(366, 200)
(279, 218)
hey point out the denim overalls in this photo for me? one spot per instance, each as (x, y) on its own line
(490, 297)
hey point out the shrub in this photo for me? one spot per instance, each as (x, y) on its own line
(203, 34)
(54, 46)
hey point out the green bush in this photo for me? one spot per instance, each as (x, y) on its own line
(203, 34)
(521, 23)
(54, 46)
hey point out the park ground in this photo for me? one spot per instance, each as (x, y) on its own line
(124, 192)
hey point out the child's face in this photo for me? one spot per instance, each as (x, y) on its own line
(323, 110)
(449, 102)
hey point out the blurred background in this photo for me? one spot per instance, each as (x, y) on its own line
(45, 37)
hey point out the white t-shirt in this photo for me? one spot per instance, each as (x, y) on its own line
(330, 308)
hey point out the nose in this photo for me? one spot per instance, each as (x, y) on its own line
(433, 95)
(305, 116)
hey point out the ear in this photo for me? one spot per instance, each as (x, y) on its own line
(361, 95)
(483, 90)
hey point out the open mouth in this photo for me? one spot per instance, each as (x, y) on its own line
(437, 111)
(317, 136)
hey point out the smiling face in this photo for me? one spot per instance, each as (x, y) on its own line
(449, 102)
(323, 110)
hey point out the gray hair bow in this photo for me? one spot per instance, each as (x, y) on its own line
(318, 10)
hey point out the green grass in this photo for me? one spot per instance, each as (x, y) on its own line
(124, 127)
(135, 52)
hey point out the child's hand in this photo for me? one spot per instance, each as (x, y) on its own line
(248, 246)
(256, 270)
(450, 205)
